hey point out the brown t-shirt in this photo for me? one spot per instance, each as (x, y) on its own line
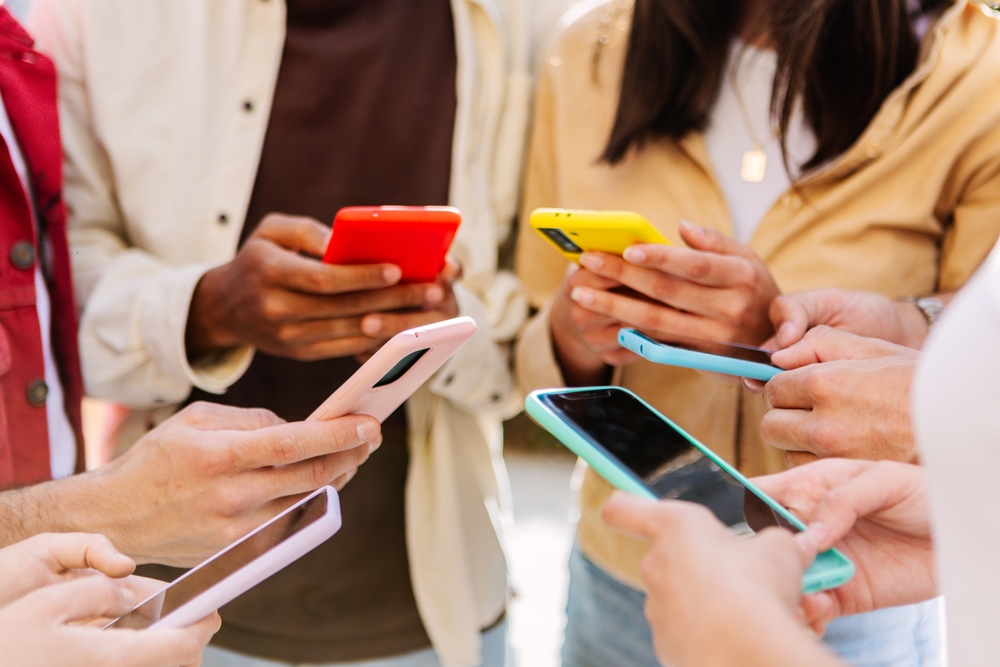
(363, 114)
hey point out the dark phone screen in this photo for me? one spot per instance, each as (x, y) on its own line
(219, 567)
(729, 350)
(666, 462)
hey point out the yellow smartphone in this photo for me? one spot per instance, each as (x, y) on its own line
(575, 232)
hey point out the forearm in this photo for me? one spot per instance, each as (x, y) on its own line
(81, 504)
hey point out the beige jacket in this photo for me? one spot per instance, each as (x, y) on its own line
(161, 154)
(913, 207)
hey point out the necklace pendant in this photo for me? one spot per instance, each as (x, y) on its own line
(754, 166)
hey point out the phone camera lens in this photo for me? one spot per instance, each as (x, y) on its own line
(561, 240)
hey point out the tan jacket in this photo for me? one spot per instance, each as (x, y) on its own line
(161, 153)
(913, 207)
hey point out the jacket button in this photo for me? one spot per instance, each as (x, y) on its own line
(22, 255)
(38, 391)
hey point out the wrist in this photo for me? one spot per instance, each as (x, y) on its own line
(580, 365)
(204, 332)
(914, 324)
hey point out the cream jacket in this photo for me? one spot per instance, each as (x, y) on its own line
(161, 154)
(913, 207)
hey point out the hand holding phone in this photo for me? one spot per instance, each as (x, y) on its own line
(574, 232)
(638, 450)
(414, 238)
(279, 297)
(715, 289)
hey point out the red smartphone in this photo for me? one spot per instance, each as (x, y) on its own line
(414, 238)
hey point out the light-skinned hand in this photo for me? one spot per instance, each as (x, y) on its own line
(50, 559)
(862, 313)
(842, 396)
(876, 513)
(585, 342)
(51, 627)
(198, 482)
(715, 599)
(715, 289)
(279, 297)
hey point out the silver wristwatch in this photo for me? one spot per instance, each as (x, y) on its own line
(930, 307)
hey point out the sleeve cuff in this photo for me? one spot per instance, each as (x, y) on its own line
(164, 314)
(477, 378)
(535, 365)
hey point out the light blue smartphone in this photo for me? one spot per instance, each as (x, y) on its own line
(703, 355)
(639, 450)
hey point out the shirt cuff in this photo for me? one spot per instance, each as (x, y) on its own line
(165, 308)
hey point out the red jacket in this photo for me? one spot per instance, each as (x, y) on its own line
(28, 87)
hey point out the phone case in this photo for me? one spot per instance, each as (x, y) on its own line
(664, 353)
(414, 238)
(360, 396)
(257, 570)
(831, 568)
(595, 231)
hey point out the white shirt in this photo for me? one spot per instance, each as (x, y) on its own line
(956, 410)
(62, 441)
(728, 138)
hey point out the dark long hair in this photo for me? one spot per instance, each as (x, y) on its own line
(839, 58)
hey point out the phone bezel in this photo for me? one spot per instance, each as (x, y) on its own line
(831, 568)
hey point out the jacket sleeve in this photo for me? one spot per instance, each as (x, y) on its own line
(975, 217)
(133, 304)
(539, 267)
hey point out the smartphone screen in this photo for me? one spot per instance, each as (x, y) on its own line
(214, 570)
(666, 462)
(729, 350)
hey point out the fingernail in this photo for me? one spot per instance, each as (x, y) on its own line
(392, 274)
(690, 227)
(634, 255)
(367, 430)
(374, 444)
(582, 296)
(128, 598)
(371, 325)
(592, 262)
(434, 294)
(819, 533)
(784, 332)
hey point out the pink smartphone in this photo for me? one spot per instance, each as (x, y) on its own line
(240, 566)
(397, 370)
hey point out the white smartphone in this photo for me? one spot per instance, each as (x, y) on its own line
(398, 369)
(240, 566)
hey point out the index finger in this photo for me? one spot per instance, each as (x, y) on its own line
(800, 489)
(631, 515)
(290, 443)
(304, 274)
(707, 269)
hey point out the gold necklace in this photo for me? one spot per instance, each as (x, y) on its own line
(754, 160)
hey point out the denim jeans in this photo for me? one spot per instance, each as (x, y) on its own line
(606, 626)
(495, 654)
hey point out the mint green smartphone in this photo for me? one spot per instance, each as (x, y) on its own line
(639, 450)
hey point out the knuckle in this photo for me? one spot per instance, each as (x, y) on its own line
(746, 276)
(664, 287)
(820, 384)
(273, 308)
(286, 447)
(824, 437)
(286, 334)
(700, 266)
